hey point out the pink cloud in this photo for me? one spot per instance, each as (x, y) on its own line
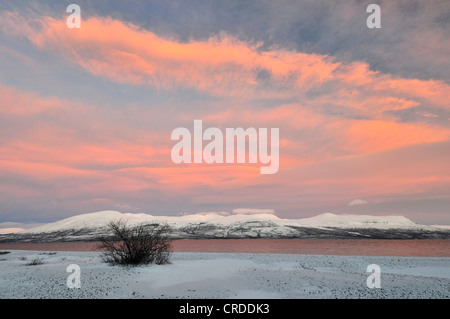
(124, 53)
(226, 66)
(103, 152)
(377, 136)
(20, 103)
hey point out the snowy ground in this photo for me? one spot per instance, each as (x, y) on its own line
(220, 275)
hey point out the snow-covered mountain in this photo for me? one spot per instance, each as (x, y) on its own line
(100, 219)
(236, 225)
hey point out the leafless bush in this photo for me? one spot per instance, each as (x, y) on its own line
(136, 245)
(35, 262)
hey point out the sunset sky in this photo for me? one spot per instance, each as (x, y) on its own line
(86, 115)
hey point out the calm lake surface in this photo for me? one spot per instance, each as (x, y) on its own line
(350, 247)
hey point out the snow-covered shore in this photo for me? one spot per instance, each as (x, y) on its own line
(223, 275)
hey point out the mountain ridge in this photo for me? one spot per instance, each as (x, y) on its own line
(101, 218)
(89, 226)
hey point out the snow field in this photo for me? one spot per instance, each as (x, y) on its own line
(223, 275)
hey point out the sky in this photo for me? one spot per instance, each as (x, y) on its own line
(86, 114)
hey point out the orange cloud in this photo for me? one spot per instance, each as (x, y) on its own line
(222, 65)
(124, 53)
(376, 136)
(185, 177)
(358, 75)
(20, 103)
(433, 91)
(72, 141)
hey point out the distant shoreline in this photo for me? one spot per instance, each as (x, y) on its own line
(350, 247)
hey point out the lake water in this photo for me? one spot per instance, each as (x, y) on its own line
(355, 247)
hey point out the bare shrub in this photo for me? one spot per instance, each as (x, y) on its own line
(136, 245)
(35, 262)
